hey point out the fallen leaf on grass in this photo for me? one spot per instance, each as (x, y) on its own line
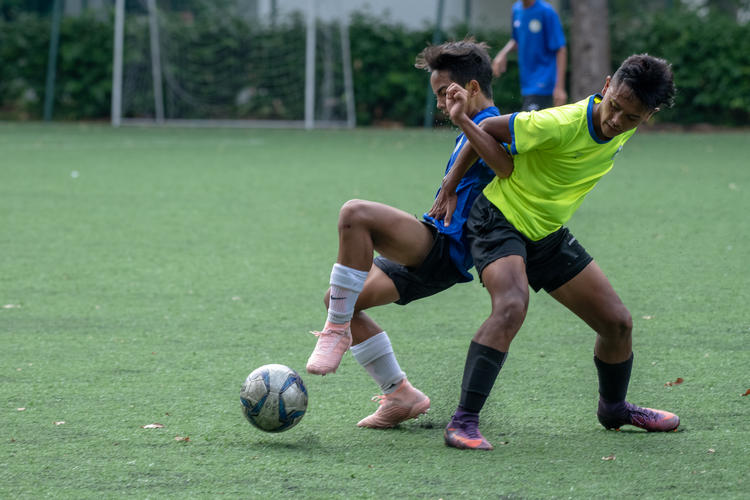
(610, 457)
(676, 382)
(11, 306)
(20, 409)
(181, 438)
(648, 316)
(747, 393)
(152, 426)
(711, 450)
(60, 422)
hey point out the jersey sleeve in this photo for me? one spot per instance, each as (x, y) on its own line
(553, 31)
(533, 130)
(513, 29)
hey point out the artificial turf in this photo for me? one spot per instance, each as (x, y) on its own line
(145, 272)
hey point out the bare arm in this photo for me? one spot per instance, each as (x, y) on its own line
(486, 146)
(485, 140)
(500, 62)
(559, 95)
(446, 200)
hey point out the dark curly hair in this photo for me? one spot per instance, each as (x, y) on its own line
(650, 78)
(466, 60)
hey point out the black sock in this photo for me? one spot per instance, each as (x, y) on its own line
(482, 366)
(613, 379)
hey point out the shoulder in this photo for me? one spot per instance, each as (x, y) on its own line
(560, 116)
(488, 112)
(534, 130)
(548, 10)
(548, 128)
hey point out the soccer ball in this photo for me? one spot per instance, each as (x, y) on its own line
(274, 398)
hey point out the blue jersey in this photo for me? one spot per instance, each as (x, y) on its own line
(539, 35)
(473, 182)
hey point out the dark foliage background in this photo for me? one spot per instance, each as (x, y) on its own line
(710, 53)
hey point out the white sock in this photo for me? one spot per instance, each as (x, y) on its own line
(346, 283)
(376, 356)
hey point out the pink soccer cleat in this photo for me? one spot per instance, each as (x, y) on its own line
(332, 343)
(402, 404)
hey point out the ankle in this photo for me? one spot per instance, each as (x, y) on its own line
(612, 407)
(465, 416)
(336, 327)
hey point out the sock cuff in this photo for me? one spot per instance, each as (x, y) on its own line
(348, 277)
(371, 349)
(483, 363)
(613, 366)
(613, 379)
(493, 355)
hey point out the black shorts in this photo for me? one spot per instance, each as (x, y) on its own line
(435, 274)
(536, 102)
(550, 262)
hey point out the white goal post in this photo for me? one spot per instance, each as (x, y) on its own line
(222, 63)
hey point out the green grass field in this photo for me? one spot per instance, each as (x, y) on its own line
(145, 272)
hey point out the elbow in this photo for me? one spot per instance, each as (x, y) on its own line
(502, 171)
(503, 164)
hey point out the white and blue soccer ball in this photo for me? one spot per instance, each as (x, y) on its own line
(274, 398)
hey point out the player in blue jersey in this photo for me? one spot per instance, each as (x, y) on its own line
(542, 54)
(518, 238)
(418, 258)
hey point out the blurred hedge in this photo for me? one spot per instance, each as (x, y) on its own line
(711, 58)
(389, 89)
(84, 67)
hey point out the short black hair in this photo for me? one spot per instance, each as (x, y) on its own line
(650, 78)
(466, 60)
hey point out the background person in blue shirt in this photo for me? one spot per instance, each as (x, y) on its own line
(542, 54)
(418, 258)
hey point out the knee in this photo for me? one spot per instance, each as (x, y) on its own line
(509, 311)
(353, 213)
(619, 324)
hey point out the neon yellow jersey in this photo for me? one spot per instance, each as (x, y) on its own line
(557, 160)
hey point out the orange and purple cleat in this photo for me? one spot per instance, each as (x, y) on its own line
(402, 404)
(613, 416)
(463, 432)
(332, 343)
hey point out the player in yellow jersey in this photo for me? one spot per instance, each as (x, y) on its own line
(518, 239)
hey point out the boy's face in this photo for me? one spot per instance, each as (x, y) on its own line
(440, 81)
(620, 109)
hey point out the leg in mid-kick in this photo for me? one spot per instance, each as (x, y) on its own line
(364, 227)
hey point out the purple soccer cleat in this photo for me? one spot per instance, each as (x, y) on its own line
(613, 416)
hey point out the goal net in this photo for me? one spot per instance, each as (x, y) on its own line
(232, 63)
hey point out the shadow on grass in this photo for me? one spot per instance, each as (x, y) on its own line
(635, 430)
